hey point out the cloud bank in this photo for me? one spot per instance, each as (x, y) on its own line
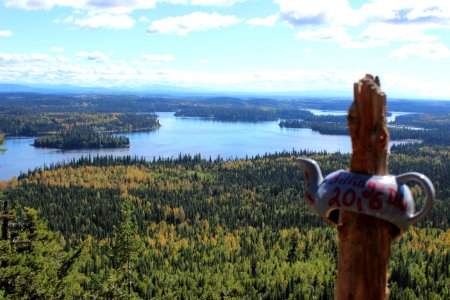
(196, 21)
(5, 33)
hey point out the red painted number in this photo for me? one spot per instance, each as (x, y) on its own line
(348, 199)
(335, 199)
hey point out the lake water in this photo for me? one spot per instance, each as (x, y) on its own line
(182, 135)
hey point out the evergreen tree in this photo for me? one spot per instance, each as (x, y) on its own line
(125, 248)
(33, 265)
(2, 141)
(292, 254)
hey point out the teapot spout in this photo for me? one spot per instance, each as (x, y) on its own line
(313, 178)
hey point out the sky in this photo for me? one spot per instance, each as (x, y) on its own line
(239, 45)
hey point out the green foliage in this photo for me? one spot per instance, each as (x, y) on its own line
(193, 228)
(33, 264)
(126, 246)
(80, 139)
(32, 123)
(231, 114)
(2, 141)
(217, 229)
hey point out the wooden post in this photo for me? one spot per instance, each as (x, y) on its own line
(365, 241)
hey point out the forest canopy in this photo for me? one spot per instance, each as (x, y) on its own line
(191, 227)
(237, 228)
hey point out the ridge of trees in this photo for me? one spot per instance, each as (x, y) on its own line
(21, 122)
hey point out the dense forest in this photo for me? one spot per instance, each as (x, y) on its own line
(231, 114)
(192, 227)
(216, 108)
(22, 122)
(73, 130)
(208, 228)
(115, 103)
(81, 138)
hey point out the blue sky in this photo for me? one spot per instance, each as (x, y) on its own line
(239, 45)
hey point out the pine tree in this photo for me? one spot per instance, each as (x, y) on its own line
(126, 246)
(2, 141)
(33, 265)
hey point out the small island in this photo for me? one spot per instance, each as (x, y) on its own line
(75, 130)
(81, 139)
(320, 126)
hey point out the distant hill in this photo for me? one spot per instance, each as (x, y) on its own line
(177, 91)
(17, 88)
(53, 89)
(164, 90)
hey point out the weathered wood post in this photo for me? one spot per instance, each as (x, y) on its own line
(365, 241)
(369, 207)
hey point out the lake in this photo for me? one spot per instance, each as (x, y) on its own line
(182, 135)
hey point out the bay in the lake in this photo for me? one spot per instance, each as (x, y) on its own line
(185, 136)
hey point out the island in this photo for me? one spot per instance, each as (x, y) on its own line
(81, 139)
(74, 130)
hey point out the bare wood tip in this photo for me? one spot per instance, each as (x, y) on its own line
(369, 76)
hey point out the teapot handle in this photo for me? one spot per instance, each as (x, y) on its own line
(429, 191)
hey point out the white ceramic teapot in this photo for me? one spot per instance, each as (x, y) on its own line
(385, 197)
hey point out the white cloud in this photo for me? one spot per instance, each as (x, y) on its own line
(216, 2)
(110, 14)
(407, 11)
(96, 56)
(119, 6)
(25, 57)
(196, 21)
(62, 58)
(57, 49)
(5, 33)
(396, 33)
(144, 19)
(364, 44)
(379, 34)
(91, 14)
(376, 23)
(424, 50)
(268, 21)
(327, 34)
(339, 12)
(317, 12)
(109, 21)
(104, 6)
(30, 4)
(157, 59)
(110, 6)
(42, 68)
(67, 20)
(204, 62)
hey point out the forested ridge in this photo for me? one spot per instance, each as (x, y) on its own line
(21, 122)
(247, 109)
(209, 228)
